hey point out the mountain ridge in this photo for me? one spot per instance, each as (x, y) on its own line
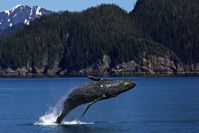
(20, 13)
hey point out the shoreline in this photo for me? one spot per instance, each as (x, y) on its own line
(100, 75)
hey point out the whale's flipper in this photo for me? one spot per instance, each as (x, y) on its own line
(91, 77)
(102, 97)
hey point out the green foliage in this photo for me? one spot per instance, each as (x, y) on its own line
(173, 23)
(77, 39)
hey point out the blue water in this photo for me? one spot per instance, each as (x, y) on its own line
(156, 104)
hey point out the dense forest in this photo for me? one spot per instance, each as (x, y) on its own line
(78, 39)
(173, 23)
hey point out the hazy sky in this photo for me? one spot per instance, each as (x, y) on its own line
(71, 5)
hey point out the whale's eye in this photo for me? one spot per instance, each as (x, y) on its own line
(127, 83)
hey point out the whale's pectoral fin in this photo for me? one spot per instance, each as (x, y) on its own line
(91, 77)
(102, 97)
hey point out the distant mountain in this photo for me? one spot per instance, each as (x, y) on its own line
(20, 13)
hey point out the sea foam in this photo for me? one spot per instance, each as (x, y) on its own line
(50, 117)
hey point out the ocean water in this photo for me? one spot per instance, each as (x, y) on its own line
(156, 104)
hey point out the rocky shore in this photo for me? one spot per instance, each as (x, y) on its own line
(142, 64)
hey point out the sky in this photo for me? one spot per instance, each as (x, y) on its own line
(70, 5)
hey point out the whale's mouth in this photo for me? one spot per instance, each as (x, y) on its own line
(134, 84)
(130, 85)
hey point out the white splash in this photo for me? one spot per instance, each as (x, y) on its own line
(75, 122)
(50, 117)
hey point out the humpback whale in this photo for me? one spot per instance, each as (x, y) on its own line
(91, 92)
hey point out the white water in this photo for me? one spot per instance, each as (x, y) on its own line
(50, 117)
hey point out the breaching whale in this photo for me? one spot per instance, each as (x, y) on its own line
(92, 92)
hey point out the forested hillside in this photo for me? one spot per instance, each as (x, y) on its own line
(77, 39)
(173, 23)
(10, 30)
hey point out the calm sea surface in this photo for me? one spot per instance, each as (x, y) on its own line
(156, 104)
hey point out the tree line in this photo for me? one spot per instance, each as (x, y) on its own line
(78, 39)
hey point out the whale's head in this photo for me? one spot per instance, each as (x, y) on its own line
(125, 85)
(117, 87)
